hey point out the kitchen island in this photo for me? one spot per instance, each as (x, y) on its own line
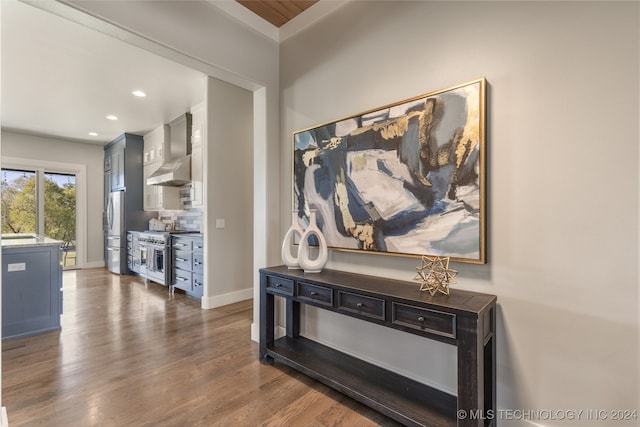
(31, 285)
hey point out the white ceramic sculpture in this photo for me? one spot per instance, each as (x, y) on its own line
(304, 253)
(288, 258)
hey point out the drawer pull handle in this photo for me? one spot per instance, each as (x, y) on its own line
(359, 305)
(181, 259)
(182, 279)
(314, 293)
(278, 285)
(421, 319)
(197, 263)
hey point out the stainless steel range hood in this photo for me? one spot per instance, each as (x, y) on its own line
(177, 171)
(174, 173)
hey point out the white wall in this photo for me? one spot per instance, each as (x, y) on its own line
(229, 194)
(61, 151)
(563, 187)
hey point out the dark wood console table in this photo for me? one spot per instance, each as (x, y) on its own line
(464, 319)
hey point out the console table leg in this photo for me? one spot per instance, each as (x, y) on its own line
(471, 374)
(266, 323)
(490, 376)
(293, 318)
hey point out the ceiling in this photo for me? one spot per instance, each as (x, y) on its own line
(61, 79)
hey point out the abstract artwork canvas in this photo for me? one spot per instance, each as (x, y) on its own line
(405, 179)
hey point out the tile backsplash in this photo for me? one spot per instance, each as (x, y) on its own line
(190, 220)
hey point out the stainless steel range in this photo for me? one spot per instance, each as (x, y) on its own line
(155, 256)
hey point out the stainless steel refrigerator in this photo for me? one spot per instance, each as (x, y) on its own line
(115, 234)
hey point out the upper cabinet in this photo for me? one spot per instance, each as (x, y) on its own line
(198, 117)
(156, 147)
(122, 158)
(114, 165)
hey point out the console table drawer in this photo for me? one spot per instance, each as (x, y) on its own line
(365, 306)
(315, 293)
(280, 285)
(423, 319)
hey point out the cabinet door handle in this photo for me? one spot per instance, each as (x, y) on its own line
(359, 305)
(313, 293)
(182, 279)
(421, 319)
(197, 263)
(181, 259)
(278, 285)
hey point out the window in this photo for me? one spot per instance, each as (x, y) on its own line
(60, 213)
(18, 201)
(41, 202)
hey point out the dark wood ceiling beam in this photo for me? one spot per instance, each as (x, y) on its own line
(277, 12)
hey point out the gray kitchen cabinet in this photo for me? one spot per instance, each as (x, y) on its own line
(107, 177)
(123, 183)
(123, 161)
(115, 164)
(198, 266)
(31, 285)
(133, 252)
(118, 167)
(188, 264)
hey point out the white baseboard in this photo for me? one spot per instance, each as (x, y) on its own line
(255, 332)
(4, 420)
(228, 298)
(93, 264)
(278, 332)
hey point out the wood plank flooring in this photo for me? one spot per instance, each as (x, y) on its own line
(131, 354)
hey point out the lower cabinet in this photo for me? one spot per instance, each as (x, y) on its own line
(134, 260)
(188, 263)
(32, 296)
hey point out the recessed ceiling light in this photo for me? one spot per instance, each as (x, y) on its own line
(111, 117)
(93, 134)
(139, 93)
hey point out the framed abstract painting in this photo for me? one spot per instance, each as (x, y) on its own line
(406, 179)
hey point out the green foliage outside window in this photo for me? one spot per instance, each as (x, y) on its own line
(19, 208)
(19, 205)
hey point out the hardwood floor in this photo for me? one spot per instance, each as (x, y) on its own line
(131, 354)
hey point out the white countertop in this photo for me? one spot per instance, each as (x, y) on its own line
(11, 240)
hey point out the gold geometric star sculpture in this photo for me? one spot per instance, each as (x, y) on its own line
(435, 275)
